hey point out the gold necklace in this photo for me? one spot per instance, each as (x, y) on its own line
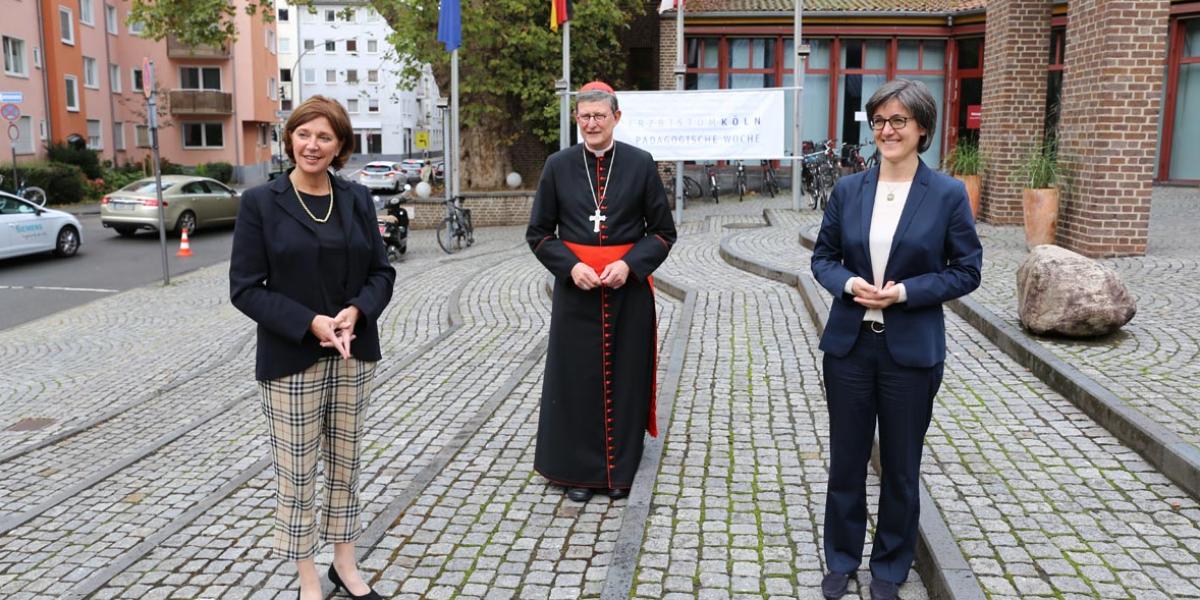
(328, 213)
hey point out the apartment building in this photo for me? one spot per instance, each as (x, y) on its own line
(78, 65)
(340, 51)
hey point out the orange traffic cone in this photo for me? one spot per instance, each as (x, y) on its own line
(184, 248)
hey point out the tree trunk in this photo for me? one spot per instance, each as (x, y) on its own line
(485, 161)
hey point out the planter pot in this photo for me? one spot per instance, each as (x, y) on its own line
(1041, 215)
(974, 185)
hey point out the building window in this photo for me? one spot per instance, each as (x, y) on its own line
(66, 25)
(330, 76)
(94, 141)
(330, 15)
(330, 45)
(925, 61)
(37, 57)
(351, 45)
(272, 89)
(135, 77)
(310, 76)
(14, 57)
(352, 105)
(141, 136)
(285, 75)
(352, 76)
(72, 92)
(86, 14)
(373, 76)
(285, 45)
(372, 46)
(285, 104)
(110, 19)
(309, 45)
(283, 15)
(271, 41)
(203, 135)
(91, 73)
(200, 78)
(1185, 134)
(263, 138)
(372, 105)
(134, 27)
(24, 143)
(119, 135)
(114, 78)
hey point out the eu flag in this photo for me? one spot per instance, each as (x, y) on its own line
(450, 25)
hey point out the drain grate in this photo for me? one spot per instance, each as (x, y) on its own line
(33, 424)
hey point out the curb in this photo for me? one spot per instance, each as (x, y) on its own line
(1174, 457)
(940, 562)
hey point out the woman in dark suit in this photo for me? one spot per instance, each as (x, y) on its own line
(309, 266)
(897, 241)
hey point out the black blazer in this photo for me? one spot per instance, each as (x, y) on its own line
(271, 278)
(935, 253)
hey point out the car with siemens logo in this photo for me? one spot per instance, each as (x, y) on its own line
(189, 202)
(26, 228)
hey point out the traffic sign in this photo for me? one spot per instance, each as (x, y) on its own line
(147, 76)
(14, 132)
(421, 139)
(12, 112)
(11, 97)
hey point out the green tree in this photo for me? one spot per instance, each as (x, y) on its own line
(508, 62)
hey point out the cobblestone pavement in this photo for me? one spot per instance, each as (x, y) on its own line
(1153, 363)
(1043, 502)
(134, 463)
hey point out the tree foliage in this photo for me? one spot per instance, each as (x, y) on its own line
(195, 22)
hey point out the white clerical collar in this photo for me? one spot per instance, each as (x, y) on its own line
(611, 143)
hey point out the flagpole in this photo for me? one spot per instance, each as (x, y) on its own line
(680, 71)
(800, 52)
(456, 180)
(564, 103)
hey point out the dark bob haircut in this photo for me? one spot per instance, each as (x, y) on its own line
(313, 108)
(916, 97)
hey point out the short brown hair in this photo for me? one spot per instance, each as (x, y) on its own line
(916, 97)
(320, 106)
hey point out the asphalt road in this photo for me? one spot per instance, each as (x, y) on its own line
(36, 286)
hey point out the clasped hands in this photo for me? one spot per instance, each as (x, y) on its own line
(337, 331)
(870, 296)
(613, 276)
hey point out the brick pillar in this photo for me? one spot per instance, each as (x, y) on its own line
(1015, 62)
(666, 52)
(1111, 99)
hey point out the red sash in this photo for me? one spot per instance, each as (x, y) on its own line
(599, 257)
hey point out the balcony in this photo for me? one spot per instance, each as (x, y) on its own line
(201, 102)
(177, 49)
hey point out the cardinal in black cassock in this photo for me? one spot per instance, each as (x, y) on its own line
(601, 225)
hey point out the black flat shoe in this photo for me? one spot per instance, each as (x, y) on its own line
(835, 585)
(617, 494)
(884, 590)
(337, 584)
(580, 494)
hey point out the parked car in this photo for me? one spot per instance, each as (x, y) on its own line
(381, 175)
(411, 168)
(189, 202)
(26, 228)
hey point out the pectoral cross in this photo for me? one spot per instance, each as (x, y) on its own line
(596, 219)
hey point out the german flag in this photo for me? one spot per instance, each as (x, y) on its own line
(560, 12)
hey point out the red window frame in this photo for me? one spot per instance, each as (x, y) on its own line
(1175, 59)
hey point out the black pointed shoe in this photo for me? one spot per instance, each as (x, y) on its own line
(337, 584)
(884, 590)
(579, 494)
(835, 585)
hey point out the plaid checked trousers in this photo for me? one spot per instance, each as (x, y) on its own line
(314, 414)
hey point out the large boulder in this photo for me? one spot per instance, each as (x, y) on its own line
(1065, 293)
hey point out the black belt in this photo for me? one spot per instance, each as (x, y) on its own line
(873, 326)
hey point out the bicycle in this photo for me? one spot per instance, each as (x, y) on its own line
(455, 231)
(691, 188)
(812, 180)
(742, 188)
(711, 172)
(770, 185)
(31, 193)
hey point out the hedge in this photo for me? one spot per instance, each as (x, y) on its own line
(221, 171)
(64, 184)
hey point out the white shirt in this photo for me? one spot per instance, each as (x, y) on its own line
(885, 217)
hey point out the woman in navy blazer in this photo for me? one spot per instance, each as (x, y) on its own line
(896, 242)
(309, 266)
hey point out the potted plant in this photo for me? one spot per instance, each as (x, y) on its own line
(965, 163)
(1039, 176)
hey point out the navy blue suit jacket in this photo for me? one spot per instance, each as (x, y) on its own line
(273, 276)
(935, 253)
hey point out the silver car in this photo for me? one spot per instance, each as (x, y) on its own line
(189, 202)
(381, 175)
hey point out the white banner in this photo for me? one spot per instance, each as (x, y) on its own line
(704, 125)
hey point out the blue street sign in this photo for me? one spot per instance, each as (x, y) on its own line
(11, 97)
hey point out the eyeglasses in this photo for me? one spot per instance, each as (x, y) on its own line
(599, 118)
(896, 121)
